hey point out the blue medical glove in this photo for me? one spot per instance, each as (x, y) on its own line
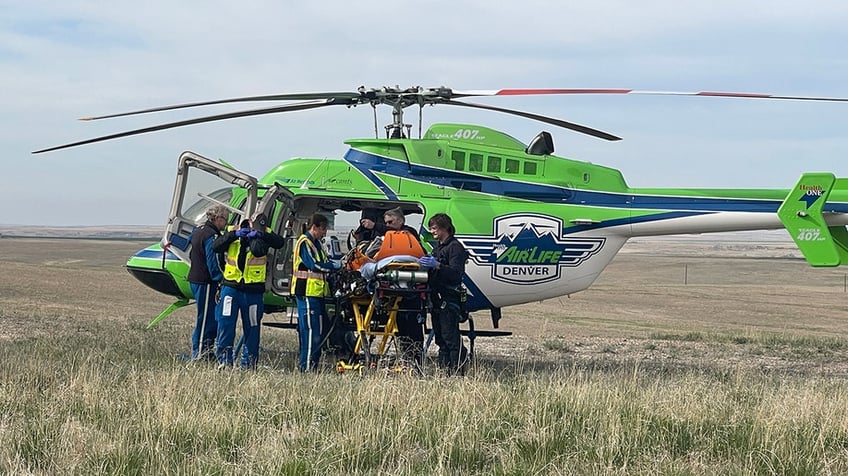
(254, 234)
(242, 232)
(336, 264)
(428, 261)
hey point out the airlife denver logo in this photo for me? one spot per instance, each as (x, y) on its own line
(529, 249)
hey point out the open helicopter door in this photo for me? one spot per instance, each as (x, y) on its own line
(278, 204)
(201, 183)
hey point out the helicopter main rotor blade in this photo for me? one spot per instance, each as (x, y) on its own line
(269, 97)
(531, 92)
(550, 120)
(253, 112)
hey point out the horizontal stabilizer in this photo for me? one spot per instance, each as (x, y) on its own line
(803, 216)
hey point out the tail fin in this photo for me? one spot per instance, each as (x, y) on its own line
(803, 215)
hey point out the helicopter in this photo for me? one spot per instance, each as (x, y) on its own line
(536, 225)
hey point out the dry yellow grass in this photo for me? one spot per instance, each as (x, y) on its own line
(739, 371)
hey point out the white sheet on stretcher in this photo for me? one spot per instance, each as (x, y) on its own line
(368, 270)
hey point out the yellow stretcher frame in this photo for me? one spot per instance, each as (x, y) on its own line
(365, 308)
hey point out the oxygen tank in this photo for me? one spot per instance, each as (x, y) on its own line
(403, 277)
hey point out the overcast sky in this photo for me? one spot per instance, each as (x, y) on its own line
(63, 60)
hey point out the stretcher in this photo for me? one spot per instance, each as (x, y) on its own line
(375, 314)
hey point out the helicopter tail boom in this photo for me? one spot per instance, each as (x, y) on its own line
(803, 214)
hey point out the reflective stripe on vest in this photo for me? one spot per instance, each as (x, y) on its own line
(254, 267)
(316, 283)
(308, 275)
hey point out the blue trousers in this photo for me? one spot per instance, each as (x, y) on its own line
(310, 317)
(206, 326)
(234, 302)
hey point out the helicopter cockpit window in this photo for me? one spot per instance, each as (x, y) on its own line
(529, 168)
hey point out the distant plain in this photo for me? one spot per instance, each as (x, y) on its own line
(687, 356)
(688, 301)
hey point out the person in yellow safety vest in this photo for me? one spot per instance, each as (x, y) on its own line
(309, 286)
(246, 248)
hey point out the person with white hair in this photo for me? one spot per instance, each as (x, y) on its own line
(396, 220)
(204, 277)
(411, 315)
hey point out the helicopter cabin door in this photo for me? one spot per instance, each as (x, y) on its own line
(278, 204)
(201, 183)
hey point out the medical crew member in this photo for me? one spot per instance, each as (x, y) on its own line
(243, 286)
(204, 277)
(446, 270)
(309, 286)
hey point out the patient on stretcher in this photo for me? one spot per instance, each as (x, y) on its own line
(392, 244)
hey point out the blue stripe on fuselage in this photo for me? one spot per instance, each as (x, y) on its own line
(632, 221)
(835, 208)
(366, 162)
(148, 253)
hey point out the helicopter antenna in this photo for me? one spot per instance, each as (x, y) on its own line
(420, 118)
(376, 131)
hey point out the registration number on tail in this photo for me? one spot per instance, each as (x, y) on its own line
(809, 234)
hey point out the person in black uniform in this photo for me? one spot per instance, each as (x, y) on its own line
(204, 277)
(370, 226)
(446, 270)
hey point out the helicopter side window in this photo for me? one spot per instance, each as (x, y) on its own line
(458, 158)
(493, 165)
(512, 166)
(475, 163)
(529, 168)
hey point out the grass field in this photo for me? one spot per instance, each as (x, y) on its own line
(686, 357)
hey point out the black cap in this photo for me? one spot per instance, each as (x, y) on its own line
(371, 214)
